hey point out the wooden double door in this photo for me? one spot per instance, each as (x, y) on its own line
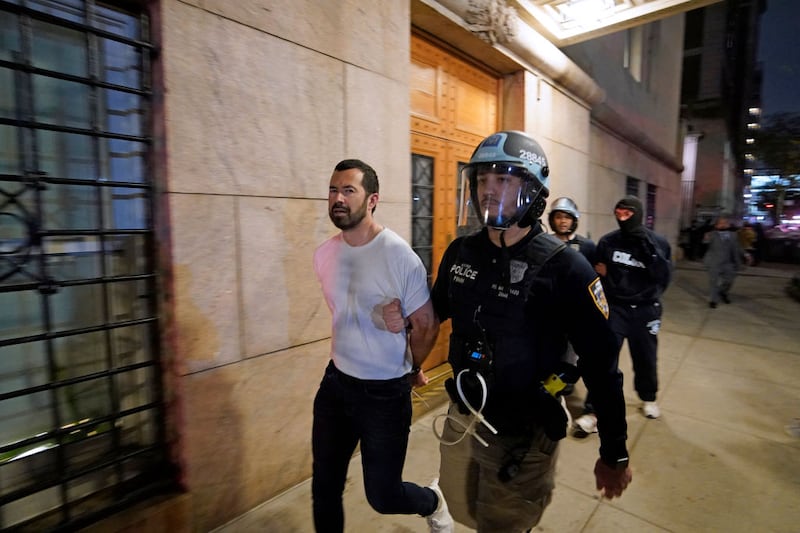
(454, 105)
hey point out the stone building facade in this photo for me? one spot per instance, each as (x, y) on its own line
(254, 102)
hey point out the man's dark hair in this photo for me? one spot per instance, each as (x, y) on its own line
(369, 179)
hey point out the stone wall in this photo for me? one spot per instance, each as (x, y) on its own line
(261, 100)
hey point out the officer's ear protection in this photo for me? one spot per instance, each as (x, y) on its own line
(535, 210)
(537, 207)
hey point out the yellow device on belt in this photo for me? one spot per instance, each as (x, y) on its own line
(553, 385)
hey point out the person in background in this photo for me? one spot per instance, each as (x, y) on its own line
(506, 290)
(635, 266)
(759, 251)
(747, 241)
(723, 260)
(365, 393)
(563, 219)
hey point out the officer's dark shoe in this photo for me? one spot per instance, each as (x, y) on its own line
(712, 305)
(725, 298)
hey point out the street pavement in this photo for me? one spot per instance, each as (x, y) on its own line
(720, 458)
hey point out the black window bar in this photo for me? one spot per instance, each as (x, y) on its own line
(81, 399)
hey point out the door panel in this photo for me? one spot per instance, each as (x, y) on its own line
(454, 105)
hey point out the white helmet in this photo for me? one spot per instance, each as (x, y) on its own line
(568, 206)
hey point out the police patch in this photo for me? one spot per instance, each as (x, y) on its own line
(599, 296)
(517, 269)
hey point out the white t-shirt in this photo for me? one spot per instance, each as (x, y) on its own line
(357, 281)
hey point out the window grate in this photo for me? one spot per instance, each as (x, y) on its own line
(422, 209)
(81, 401)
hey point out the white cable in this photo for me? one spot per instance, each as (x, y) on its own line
(469, 429)
(476, 412)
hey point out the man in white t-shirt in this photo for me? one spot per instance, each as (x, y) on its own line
(365, 395)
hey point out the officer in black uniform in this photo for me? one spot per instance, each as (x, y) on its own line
(504, 289)
(635, 265)
(563, 219)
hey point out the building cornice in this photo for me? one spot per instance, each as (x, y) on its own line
(483, 30)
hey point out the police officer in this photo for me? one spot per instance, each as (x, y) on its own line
(505, 288)
(635, 265)
(563, 219)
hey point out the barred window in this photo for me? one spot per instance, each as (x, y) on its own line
(422, 209)
(632, 186)
(650, 221)
(81, 403)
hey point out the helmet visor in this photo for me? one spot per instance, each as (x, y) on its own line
(498, 193)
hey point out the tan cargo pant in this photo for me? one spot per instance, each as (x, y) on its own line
(468, 477)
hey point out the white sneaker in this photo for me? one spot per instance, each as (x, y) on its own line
(651, 410)
(585, 425)
(440, 520)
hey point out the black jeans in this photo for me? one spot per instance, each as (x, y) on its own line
(640, 325)
(378, 414)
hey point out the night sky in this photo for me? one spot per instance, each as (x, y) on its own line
(779, 53)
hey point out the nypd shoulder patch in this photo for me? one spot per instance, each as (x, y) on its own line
(599, 296)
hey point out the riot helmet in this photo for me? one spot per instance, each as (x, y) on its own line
(505, 181)
(568, 206)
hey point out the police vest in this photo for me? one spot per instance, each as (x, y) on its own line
(489, 306)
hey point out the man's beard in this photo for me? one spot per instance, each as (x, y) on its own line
(349, 220)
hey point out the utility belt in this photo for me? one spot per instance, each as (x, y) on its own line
(542, 430)
(470, 390)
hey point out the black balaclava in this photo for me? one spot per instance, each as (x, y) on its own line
(633, 226)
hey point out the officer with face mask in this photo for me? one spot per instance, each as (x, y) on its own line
(635, 266)
(505, 289)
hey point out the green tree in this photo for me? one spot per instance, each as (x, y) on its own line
(778, 148)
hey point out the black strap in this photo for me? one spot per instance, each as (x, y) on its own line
(542, 248)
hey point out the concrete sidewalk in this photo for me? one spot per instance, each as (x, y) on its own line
(718, 459)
